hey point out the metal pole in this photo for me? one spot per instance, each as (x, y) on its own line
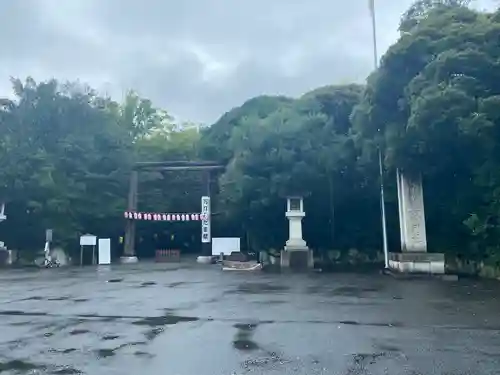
(381, 170)
(382, 210)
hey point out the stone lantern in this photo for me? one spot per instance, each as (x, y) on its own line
(296, 253)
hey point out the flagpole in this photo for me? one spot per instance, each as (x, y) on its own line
(381, 169)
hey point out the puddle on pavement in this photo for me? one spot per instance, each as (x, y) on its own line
(34, 298)
(212, 300)
(76, 332)
(153, 333)
(58, 298)
(110, 337)
(20, 324)
(371, 324)
(41, 298)
(243, 337)
(62, 351)
(140, 353)
(18, 365)
(105, 353)
(176, 284)
(22, 313)
(343, 291)
(157, 322)
(67, 371)
(53, 327)
(180, 283)
(115, 280)
(110, 352)
(387, 348)
(271, 302)
(258, 288)
(167, 319)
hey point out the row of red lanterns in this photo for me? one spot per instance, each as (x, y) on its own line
(164, 217)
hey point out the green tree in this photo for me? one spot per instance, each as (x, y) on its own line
(434, 99)
(305, 147)
(64, 161)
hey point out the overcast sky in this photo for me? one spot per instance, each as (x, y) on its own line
(195, 58)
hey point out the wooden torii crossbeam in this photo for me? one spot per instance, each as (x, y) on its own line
(207, 167)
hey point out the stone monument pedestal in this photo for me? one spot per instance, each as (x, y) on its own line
(296, 254)
(418, 263)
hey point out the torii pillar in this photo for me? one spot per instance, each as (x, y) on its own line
(129, 255)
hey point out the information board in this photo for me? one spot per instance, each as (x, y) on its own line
(225, 245)
(88, 240)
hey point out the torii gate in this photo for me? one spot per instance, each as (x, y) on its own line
(131, 215)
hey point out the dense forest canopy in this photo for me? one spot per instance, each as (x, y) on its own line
(433, 106)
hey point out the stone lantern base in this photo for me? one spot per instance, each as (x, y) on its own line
(297, 258)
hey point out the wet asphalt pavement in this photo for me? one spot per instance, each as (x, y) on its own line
(192, 319)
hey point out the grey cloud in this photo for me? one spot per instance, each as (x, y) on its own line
(195, 58)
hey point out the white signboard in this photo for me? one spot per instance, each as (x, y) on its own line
(104, 255)
(88, 240)
(225, 245)
(205, 219)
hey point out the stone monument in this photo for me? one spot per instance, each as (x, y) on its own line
(296, 253)
(414, 257)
